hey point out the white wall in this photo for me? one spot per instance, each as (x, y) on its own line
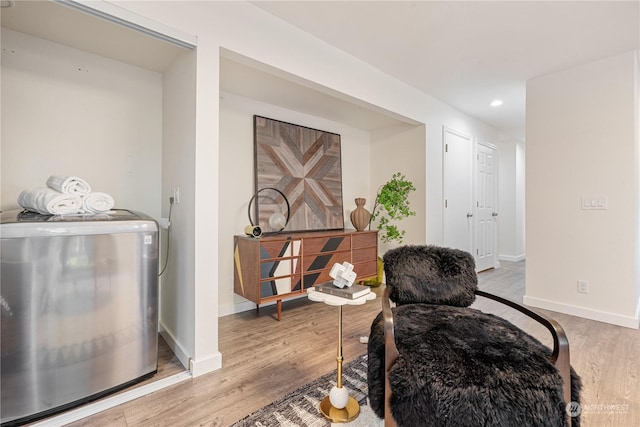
(402, 149)
(177, 285)
(511, 194)
(70, 112)
(582, 141)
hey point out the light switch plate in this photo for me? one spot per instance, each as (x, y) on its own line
(594, 202)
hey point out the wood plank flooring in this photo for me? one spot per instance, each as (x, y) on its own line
(264, 359)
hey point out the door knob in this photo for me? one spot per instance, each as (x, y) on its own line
(494, 213)
(469, 215)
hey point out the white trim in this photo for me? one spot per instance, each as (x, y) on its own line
(512, 258)
(126, 18)
(587, 313)
(210, 364)
(110, 402)
(173, 344)
(227, 309)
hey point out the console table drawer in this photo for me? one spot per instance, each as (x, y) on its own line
(279, 249)
(364, 239)
(365, 270)
(279, 286)
(319, 245)
(326, 261)
(362, 255)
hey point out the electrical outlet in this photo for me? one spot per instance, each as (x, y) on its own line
(176, 195)
(583, 286)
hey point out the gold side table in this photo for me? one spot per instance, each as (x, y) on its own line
(339, 407)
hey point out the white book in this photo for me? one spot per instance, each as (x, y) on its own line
(351, 292)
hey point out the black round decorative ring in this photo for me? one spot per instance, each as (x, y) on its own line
(256, 195)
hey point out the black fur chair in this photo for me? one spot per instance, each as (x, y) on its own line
(433, 361)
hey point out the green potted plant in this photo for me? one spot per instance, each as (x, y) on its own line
(390, 206)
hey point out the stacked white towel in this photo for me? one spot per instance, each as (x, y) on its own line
(50, 202)
(97, 202)
(65, 195)
(69, 184)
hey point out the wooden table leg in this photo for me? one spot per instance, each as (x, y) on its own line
(279, 309)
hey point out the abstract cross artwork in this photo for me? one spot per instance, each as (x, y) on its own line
(305, 165)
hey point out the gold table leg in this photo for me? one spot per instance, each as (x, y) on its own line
(352, 409)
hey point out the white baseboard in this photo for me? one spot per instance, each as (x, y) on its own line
(227, 309)
(587, 313)
(197, 367)
(512, 258)
(173, 344)
(204, 366)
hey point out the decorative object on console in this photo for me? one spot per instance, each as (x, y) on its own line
(391, 205)
(276, 220)
(360, 217)
(343, 274)
(305, 164)
(253, 231)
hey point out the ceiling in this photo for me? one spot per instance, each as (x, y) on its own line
(246, 77)
(59, 23)
(463, 53)
(470, 53)
(56, 22)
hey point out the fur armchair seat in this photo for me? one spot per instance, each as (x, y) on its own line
(458, 366)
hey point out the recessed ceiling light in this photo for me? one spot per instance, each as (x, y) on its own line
(496, 103)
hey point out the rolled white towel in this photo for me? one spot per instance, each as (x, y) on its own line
(69, 184)
(97, 203)
(50, 202)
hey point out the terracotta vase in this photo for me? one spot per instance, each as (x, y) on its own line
(360, 216)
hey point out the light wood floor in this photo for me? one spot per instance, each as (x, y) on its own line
(264, 359)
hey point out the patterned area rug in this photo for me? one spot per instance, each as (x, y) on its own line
(300, 408)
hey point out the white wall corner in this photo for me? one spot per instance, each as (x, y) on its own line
(587, 313)
(175, 346)
(197, 367)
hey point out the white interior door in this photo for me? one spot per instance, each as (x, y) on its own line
(457, 191)
(486, 209)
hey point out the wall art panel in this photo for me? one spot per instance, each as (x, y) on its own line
(305, 165)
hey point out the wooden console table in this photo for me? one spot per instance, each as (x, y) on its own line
(285, 265)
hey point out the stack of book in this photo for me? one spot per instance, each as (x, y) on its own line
(350, 292)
